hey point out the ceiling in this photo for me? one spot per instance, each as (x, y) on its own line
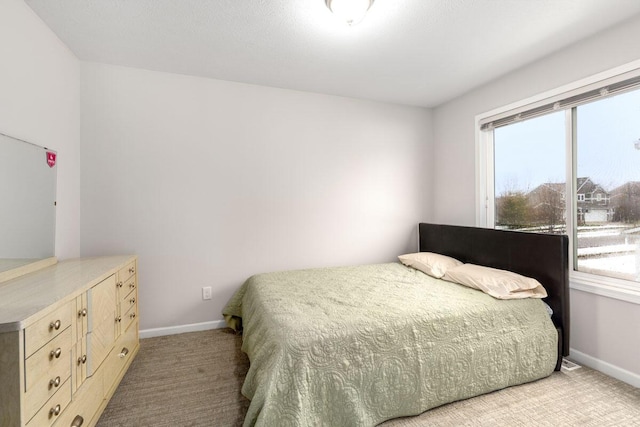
(413, 52)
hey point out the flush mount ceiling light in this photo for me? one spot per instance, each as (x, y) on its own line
(350, 11)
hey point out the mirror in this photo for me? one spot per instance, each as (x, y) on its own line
(27, 203)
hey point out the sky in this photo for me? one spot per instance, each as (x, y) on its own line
(532, 152)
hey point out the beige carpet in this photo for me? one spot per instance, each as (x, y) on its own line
(194, 380)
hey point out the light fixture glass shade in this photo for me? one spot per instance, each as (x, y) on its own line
(350, 11)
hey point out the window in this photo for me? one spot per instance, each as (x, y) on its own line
(529, 170)
(571, 164)
(606, 133)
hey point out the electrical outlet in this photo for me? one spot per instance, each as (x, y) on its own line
(206, 292)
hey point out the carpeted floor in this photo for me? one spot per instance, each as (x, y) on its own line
(194, 379)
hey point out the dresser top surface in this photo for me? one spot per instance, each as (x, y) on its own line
(23, 298)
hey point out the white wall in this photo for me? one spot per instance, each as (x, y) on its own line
(602, 328)
(39, 103)
(210, 182)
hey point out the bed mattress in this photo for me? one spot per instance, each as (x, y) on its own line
(355, 346)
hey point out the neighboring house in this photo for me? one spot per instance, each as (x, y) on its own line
(547, 204)
(592, 202)
(625, 199)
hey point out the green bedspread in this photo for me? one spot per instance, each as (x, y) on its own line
(354, 346)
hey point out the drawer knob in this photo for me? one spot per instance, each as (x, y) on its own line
(54, 411)
(77, 421)
(119, 284)
(132, 285)
(119, 319)
(82, 313)
(132, 316)
(55, 353)
(55, 325)
(82, 360)
(54, 382)
(132, 270)
(123, 353)
(132, 300)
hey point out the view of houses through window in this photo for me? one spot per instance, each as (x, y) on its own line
(530, 175)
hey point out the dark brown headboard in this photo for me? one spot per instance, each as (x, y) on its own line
(541, 256)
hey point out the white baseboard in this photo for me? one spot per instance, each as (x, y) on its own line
(172, 330)
(605, 367)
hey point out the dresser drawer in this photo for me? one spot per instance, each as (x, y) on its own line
(126, 272)
(46, 370)
(126, 289)
(86, 402)
(50, 359)
(130, 316)
(54, 407)
(48, 327)
(129, 301)
(120, 356)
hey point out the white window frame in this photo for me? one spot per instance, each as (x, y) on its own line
(485, 192)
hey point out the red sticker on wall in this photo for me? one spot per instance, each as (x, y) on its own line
(51, 158)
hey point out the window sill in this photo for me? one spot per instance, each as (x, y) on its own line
(605, 286)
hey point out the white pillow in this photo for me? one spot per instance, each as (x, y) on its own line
(501, 284)
(433, 264)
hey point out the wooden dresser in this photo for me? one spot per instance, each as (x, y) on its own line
(68, 333)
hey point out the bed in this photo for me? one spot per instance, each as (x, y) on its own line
(358, 345)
